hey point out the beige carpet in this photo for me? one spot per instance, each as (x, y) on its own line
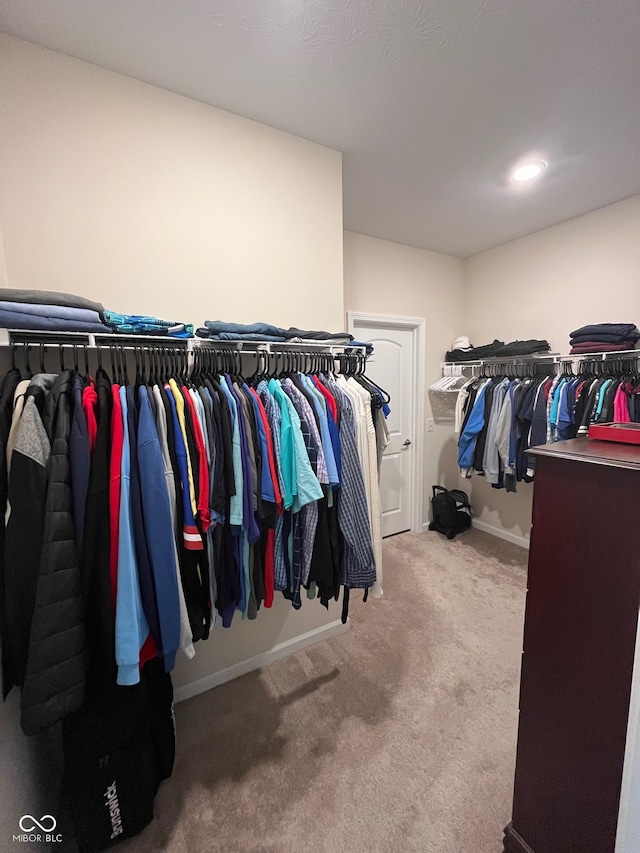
(398, 735)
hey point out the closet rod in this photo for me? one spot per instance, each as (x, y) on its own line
(551, 358)
(91, 340)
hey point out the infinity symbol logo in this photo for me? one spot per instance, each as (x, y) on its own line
(41, 824)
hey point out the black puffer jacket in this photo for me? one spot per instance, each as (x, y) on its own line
(55, 676)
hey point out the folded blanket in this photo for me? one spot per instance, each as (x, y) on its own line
(220, 330)
(292, 332)
(626, 330)
(604, 338)
(58, 312)
(598, 346)
(49, 297)
(142, 324)
(40, 323)
(255, 336)
(524, 348)
(474, 353)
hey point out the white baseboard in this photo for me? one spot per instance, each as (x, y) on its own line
(522, 541)
(279, 651)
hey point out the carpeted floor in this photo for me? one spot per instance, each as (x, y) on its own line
(398, 735)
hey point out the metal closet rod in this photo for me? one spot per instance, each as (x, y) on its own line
(548, 358)
(9, 337)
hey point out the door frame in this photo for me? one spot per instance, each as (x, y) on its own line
(417, 326)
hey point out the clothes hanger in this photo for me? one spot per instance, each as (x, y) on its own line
(26, 361)
(13, 357)
(123, 357)
(114, 371)
(85, 350)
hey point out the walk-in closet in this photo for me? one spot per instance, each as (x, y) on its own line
(319, 415)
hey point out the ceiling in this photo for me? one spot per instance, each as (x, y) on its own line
(431, 103)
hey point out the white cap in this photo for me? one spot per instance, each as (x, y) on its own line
(461, 343)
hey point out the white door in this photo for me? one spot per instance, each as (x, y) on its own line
(391, 368)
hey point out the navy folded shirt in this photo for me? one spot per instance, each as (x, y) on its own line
(595, 331)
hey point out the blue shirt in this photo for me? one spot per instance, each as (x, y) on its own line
(131, 624)
(158, 528)
(327, 447)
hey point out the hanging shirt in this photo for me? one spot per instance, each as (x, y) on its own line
(131, 624)
(202, 492)
(237, 499)
(326, 393)
(621, 406)
(491, 460)
(467, 442)
(158, 528)
(153, 645)
(186, 638)
(461, 399)
(306, 485)
(371, 473)
(89, 404)
(268, 478)
(320, 405)
(274, 417)
(179, 409)
(191, 535)
(115, 477)
(503, 439)
(358, 564)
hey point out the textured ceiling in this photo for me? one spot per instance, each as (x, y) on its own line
(431, 102)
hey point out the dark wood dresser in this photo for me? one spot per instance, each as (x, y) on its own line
(579, 648)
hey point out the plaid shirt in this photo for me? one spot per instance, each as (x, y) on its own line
(280, 569)
(303, 408)
(358, 564)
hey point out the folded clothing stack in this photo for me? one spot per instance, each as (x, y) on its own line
(498, 349)
(49, 311)
(140, 324)
(218, 330)
(604, 337)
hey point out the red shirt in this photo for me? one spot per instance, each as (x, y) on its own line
(269, 562)
(117, 438)
(333, 406)
(89, 403)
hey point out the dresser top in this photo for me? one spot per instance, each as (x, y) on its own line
(596, 452)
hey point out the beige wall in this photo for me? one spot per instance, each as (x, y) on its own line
(583, 271)
(153, 203)
(387, 278)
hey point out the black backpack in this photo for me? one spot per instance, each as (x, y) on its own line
(451, 511)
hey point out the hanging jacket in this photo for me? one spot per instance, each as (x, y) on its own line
(8, 384)
(55, 677)
(475, 422)
(96, 546)
(27, 490)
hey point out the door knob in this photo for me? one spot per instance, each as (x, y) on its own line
(407, 442)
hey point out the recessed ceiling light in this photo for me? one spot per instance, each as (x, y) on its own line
(529, 171)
